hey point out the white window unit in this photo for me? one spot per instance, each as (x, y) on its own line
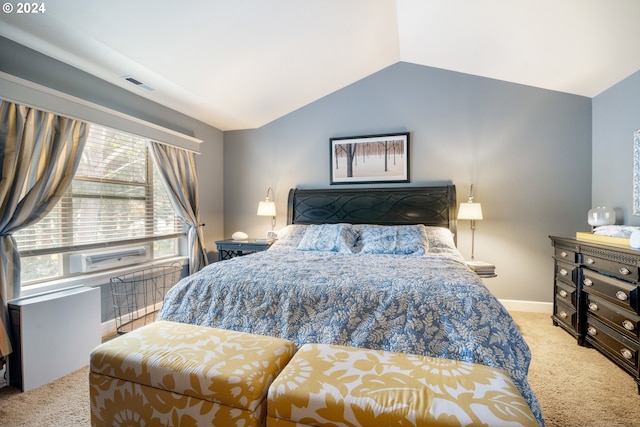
(97, 261)
(53, 335)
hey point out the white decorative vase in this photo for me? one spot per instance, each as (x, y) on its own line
(601, 216)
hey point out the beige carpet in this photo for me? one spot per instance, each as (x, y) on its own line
(576, 386)
(62, 403)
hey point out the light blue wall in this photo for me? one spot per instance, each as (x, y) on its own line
(616, 115)
(526, 150)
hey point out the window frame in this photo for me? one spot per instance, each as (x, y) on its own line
(66, 205)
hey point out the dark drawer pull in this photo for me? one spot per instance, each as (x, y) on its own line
(563, 272)
(592, 331)
(626, 353)
(622, 296)
(593, 306)
(587, 282)
(590, 261)
(624, 271)
(628, 325)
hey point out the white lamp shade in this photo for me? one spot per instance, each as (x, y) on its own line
(470, 210)
(267, 209)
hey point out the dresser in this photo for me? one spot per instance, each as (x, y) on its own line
(596, 298)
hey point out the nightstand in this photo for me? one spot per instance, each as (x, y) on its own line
(229, 248)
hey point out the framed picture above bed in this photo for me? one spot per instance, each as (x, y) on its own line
(370, 159)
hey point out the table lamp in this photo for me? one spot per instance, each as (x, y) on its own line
(268, 208)
(470, 211)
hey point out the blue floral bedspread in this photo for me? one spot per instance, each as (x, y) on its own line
(431, 305)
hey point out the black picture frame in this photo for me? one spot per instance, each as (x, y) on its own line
(369, 159)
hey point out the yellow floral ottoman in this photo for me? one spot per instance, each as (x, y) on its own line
(327, 385)
(175, 374)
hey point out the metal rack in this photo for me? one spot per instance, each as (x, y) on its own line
(138, 295)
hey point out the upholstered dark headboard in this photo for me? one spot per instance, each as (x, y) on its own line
(434, 206)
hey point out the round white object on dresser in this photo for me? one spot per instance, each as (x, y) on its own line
(634, 239)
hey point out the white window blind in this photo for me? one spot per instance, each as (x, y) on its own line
(115, 198)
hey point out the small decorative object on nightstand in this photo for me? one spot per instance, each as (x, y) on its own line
(230, 248)
(482, 269)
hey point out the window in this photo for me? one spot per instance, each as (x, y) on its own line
(116, 198)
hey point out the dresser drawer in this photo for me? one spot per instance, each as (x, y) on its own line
(566, 255)
(617, 269)
(618, 318)
(618, 347)
(566, 314)
(566, 272)
(566, 293)
(622, 293)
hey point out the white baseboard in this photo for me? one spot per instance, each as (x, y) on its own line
(528, 306)
(109, 328)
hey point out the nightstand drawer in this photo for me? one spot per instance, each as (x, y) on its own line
(618, 318)
(228, 249)
(566, 272)
(622, 293)
(617, 269)
(620, 348)
(566, 293)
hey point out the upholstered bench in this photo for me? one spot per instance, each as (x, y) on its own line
(169, 373)
(326, 385)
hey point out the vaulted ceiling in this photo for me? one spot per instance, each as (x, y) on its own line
(244, 63)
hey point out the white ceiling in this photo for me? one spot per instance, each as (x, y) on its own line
(239, 64)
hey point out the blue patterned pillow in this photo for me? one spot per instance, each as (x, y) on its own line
(329, 237)
(291, 235)
(440, 239)
(394, 239)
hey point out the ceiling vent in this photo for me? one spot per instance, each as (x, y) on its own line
(138, 83)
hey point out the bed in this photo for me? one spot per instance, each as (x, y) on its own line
(375, 268)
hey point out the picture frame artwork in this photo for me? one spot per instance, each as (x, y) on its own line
(370, 159)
